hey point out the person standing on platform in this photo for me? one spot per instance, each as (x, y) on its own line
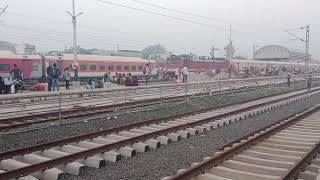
(176, 73)
(147, 72)
(67, 77)
(55, 75)
(309, 82)
(185, 73)
(111, 77)
(49, 78)
(289, 80)
(16, 73)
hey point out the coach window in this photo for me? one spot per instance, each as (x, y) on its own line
(83, 67)
(140, 68)
(126, 68)
(119, 68)
(26, 64)
(4, 67)
(133, 68)
(102, 67)
(36, 67)
(110, 67)
(93, 67)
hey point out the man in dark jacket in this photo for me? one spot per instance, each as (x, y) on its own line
(1, 85)
(16, 73)
(49, 78)
(55, 75)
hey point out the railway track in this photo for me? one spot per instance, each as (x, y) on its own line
(26, 104)
(24, 121)
(50, 160)
(281, 151)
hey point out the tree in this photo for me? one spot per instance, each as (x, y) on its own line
(153, 51)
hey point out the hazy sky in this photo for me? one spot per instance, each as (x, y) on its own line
(46, 24)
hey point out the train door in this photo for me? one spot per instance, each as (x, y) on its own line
(27, 68)
(60, 65)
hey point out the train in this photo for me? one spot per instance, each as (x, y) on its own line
(90, 66)
(239, 65)
(194, 64)
(94, 66)
(207, 64)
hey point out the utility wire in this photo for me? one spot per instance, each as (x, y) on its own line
(178, 11)
(164, 15)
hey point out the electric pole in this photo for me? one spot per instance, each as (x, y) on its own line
(306, 41)
(75, 56)
(212, 52)
(254, 52)
(230, 44)
(307, 45)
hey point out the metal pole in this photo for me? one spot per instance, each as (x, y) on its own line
(60, 106)
(187, 91)
(307, 46)
(125, 99)
(203, 89)
(161, 89)
(74, 22)
(230, 45)
(254, 52)
(219, 84)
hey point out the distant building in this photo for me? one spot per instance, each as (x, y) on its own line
(278, 53)
(24, 49)
(103, 52)
(129, 53)
(29, 49)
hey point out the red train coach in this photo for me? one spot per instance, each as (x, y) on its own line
(97, 66)
(31, 65)
(194, 65)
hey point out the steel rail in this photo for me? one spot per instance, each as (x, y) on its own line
(218, 159)
(83, 154)
(81, 92)
(22, 121)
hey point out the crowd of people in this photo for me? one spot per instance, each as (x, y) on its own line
(268, 71)
(182, 73)
(13, 83)
(121, 79)
(53, 77)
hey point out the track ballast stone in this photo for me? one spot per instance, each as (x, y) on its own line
(167, 160)
(11, 141)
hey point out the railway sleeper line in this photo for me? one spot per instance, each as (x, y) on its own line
(53, 159)
(285, 150)
(31, 113)
(19, 122)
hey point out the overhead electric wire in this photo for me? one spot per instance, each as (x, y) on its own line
(85, 34)
(163, 15)
(87, 39)
(178, 11)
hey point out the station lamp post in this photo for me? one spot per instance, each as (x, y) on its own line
(75, 56)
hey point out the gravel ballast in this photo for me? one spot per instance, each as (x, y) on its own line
(15, 140)
(25, 138)
(167, 160)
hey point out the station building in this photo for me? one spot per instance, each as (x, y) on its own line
(279, 53)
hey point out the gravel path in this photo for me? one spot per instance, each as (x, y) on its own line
(168, 159)
(15, 140)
